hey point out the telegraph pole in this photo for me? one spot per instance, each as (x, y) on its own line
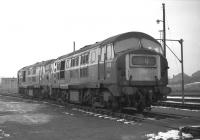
(164, 31)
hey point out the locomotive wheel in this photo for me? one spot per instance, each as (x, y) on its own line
(140, 107)
(141, 102)
(115, 106)
(87, 97)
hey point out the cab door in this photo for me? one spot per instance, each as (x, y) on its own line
(102, 63)
(105, 64)
(108, 61)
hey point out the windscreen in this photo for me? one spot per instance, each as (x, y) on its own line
(136, 43)
(123, 45)
(148, 44)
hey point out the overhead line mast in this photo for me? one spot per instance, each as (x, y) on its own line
(164, 47)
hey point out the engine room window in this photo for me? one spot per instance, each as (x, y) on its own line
(29, 72)
(67, 64)
(24, 76)
(34, 71)
(148, 44)
(55, 67)
(72, 62)
(62, 70)
(58, 65)
(84, 58)
(75, 61)
(62, 67)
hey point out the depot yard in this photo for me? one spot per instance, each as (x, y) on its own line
(22, 119)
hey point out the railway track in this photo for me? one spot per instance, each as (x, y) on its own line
(192, 103)
(194, 99)
(89, 110)
(178, 105)
(127, 115)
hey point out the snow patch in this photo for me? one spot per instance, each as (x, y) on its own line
(121, 120)
(67, 113)
(3, 134)
(169, 135)
(58, 105)
(152, 119)
(26, 118)
(105, 116)
(130, 122)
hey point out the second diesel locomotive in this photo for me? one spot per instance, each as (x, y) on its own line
(126, 70)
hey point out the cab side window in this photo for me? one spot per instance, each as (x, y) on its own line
(67, 63)
(110, 52)
(103, 52)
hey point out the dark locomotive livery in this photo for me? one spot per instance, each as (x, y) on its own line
(127, 70)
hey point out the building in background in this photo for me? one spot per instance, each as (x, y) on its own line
(8, 85)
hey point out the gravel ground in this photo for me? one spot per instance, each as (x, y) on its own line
(23, 119)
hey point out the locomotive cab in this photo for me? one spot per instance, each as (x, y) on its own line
(142, 71)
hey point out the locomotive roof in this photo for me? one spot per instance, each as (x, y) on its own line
(112, 40)
(101, 43)
(39, 64)
(80, 50)
(126, 36)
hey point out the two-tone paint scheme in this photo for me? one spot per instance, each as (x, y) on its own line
(127, 70)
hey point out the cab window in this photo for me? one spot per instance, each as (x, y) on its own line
(110, 53)
(67, 63)
(103, 52)
(149, 44)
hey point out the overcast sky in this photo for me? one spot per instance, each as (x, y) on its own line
(37, 30)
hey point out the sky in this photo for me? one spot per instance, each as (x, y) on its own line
(37, 30)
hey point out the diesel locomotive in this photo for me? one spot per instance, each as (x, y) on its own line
(126, 70)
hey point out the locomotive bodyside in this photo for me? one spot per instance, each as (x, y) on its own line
(127, 70)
